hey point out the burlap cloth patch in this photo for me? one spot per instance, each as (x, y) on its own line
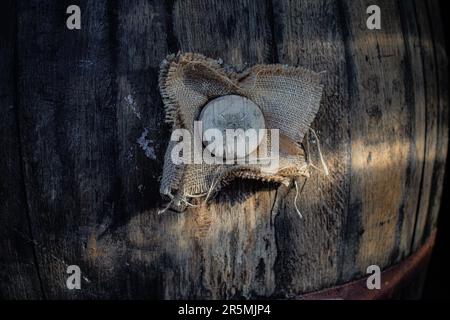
(289, 98)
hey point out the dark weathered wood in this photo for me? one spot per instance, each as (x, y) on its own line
(380, 133)
(19, 274)
(311, 255)
(134, 245)
(415, 102)
(431, 117)
(83, 140)
(441, 57)
(68, 136)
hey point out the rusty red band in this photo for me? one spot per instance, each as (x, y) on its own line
(393, 279)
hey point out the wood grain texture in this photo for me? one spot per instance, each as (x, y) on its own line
(83, 143)
(416, 104)
(431, 118)
(19, 274)
(311, 255)
(442, 118)
(67, 132)
(133, 247)
(381, 133)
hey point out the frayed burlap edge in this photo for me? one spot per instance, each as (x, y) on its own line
(168, 69)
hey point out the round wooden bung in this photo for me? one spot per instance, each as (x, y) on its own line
(232, 114)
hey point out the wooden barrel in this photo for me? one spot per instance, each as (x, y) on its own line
(83, 140)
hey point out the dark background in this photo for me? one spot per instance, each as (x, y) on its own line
(437, 285)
